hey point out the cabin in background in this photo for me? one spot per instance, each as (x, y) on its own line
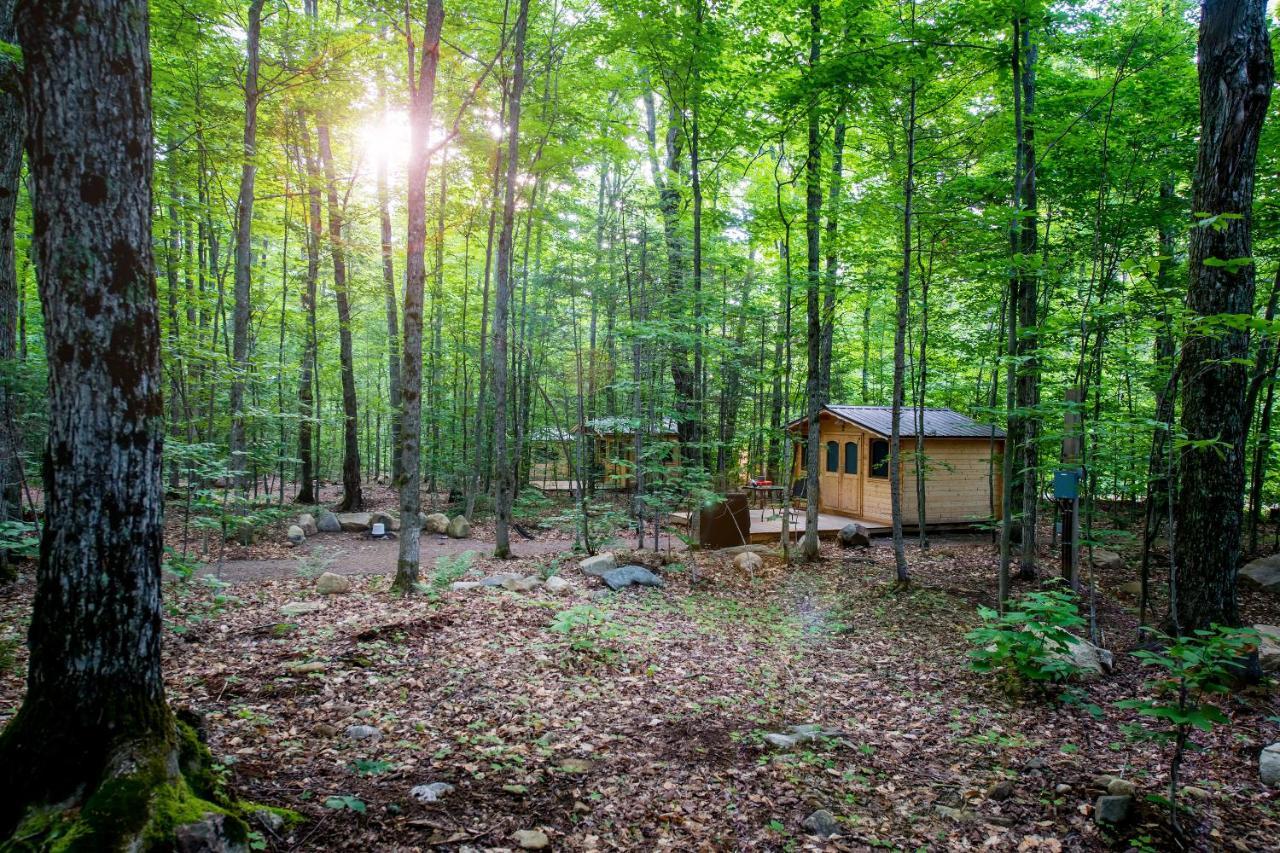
(613, 448)
(961, 464)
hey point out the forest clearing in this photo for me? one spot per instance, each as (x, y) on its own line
(639, 425)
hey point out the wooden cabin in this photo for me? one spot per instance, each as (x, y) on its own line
(550, 456)
(613, 447)
(961, 464)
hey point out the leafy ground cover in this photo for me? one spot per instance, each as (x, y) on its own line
(637, 721)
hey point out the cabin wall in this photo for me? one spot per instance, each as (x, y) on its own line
(959, 485)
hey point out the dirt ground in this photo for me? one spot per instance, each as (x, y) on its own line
(637, 720)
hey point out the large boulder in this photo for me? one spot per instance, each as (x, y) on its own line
(459, 527)
(436, 522)
(388, 521)
(1107, 560)
(1269, 765)
(307, 522)
(598, 565)
(1263, 573)
(557, 584)
(627, 575)
(1269, 647)
(333, 584)
(749, 562)
(354, 522)
(854, 535)
(296, 536)
(302, 608)
(329, 523)
(1091, 660)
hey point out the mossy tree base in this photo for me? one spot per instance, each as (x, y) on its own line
(156, 797)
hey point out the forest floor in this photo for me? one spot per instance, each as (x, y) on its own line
(636, 720)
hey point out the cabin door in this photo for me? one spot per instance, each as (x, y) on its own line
(851, 465)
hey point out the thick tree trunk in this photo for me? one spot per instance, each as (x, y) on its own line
(12, 126)
(421, 108)
(95, 708)
(502, 300)
(1236, 74)
(813, 288)
(352, 493)
(244, 247)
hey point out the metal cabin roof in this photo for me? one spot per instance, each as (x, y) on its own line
(623, 425)
(938, 423)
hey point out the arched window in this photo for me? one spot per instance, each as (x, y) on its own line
(851, 457)
(833, 457)
(880, 459)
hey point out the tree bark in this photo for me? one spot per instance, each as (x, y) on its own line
(95, 709)
(813, 287)
(1236, 74)
(393, 320)
(422, 91)
(244, 244)
(502, 300)
(899, 346)
(12, 126)
(352, 493)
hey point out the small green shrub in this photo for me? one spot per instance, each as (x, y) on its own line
(20, 538)
(1029, 644)
(1195, 668)
(589, 631)
(449, 568)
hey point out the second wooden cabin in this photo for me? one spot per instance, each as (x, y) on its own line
(961, 464)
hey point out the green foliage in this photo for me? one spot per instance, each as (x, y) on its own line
(1029, 644)
(1195, 668)
(449, 568)
(590, 632)
(345, 801)
(20, 538)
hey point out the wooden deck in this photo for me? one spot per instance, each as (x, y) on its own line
(567, 486)
(766, 526)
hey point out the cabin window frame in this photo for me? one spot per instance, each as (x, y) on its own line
(832, 464)
(879, 468)
(851, 445)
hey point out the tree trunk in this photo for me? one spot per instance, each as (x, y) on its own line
(94, 710)
(813, 286)
(352, 494)
(1236, 73)
(502, 301)
(307, 492)
(421, 109)
(900, 346)
(12, 126)
(393, 321)
(1027, 236)
(244, 244)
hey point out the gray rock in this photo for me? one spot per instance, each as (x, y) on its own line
(465, 586)
(530, 839)
(307, 522)
(269, 820)
(329, 523)
(1108, 560)
(522, 584)
(497, 580)
(625, 576)
(436, 522)
(557, 584)
(296, 535)
(1269, 766)
(854, 535)
(1035, 763)
(430, 793)
(1091, 660)
(459, 527)
(780, 741)
(1001, 790)
(301, 608)
(389, 522)
(1121, 788)
(211, 834)
(822, 823)
(1269, 647)
(748, 562)
(1133, 588)
(1263, 574)
(355, 522)
(598, 565)
(1112, 809)
(333, 584)
(735, 550)
(811, 731)
(364, 732)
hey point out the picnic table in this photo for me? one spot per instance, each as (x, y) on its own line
(763, 492)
